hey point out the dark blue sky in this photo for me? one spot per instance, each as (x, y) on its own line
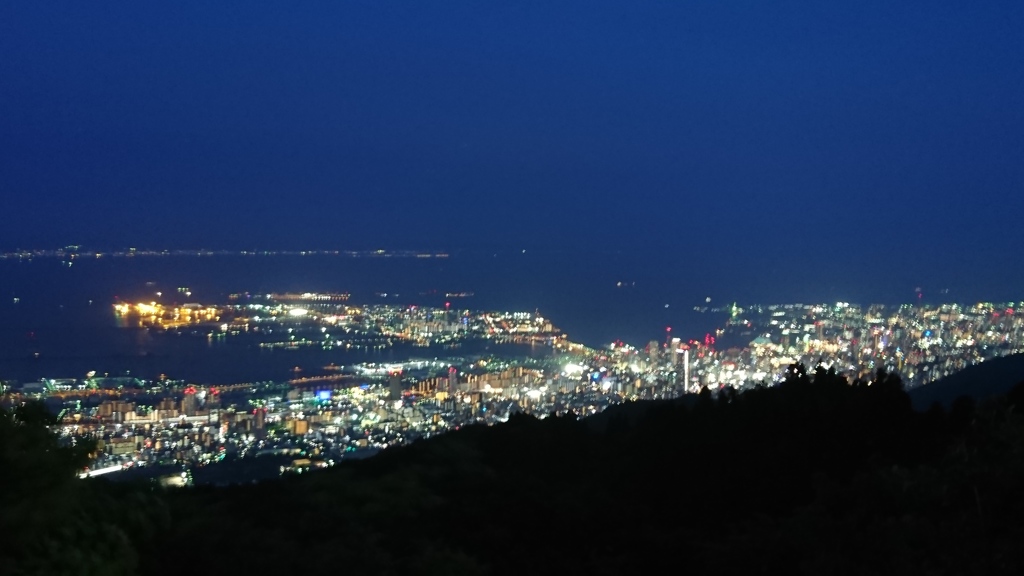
(880, 132)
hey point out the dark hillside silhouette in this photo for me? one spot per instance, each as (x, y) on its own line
(818, 475)
(52, 522)
(991, 378)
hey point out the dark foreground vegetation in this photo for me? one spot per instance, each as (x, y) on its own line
(815, 476)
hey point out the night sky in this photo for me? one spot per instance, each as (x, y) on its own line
(887, 134)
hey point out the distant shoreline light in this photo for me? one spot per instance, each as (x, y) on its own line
(73, 252)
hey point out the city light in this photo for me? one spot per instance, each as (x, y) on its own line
(573, 369)
(356, 407)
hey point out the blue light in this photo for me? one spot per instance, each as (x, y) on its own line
(323, 395)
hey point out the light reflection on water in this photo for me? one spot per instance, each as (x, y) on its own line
(54, 318)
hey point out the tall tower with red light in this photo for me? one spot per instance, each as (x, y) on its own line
(453, 380)
(395, 385)
(189, 404)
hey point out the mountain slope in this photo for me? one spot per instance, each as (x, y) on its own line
(992, 378)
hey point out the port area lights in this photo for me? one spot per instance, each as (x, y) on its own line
(298, 312)
(571, 369)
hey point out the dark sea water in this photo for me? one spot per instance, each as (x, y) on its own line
(65, 313)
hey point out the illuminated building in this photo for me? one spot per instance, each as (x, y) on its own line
(686, 366)
(453, 380)
(189, 404)
(652, 352)
(260, 421)
(395, 386)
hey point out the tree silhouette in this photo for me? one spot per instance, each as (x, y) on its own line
(818, 475)
(53, 522)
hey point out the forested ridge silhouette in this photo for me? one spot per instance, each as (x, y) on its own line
(818, 475)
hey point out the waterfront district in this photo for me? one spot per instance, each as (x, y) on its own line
(353, 411)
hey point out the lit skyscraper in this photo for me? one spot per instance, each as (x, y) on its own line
(395, 385)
